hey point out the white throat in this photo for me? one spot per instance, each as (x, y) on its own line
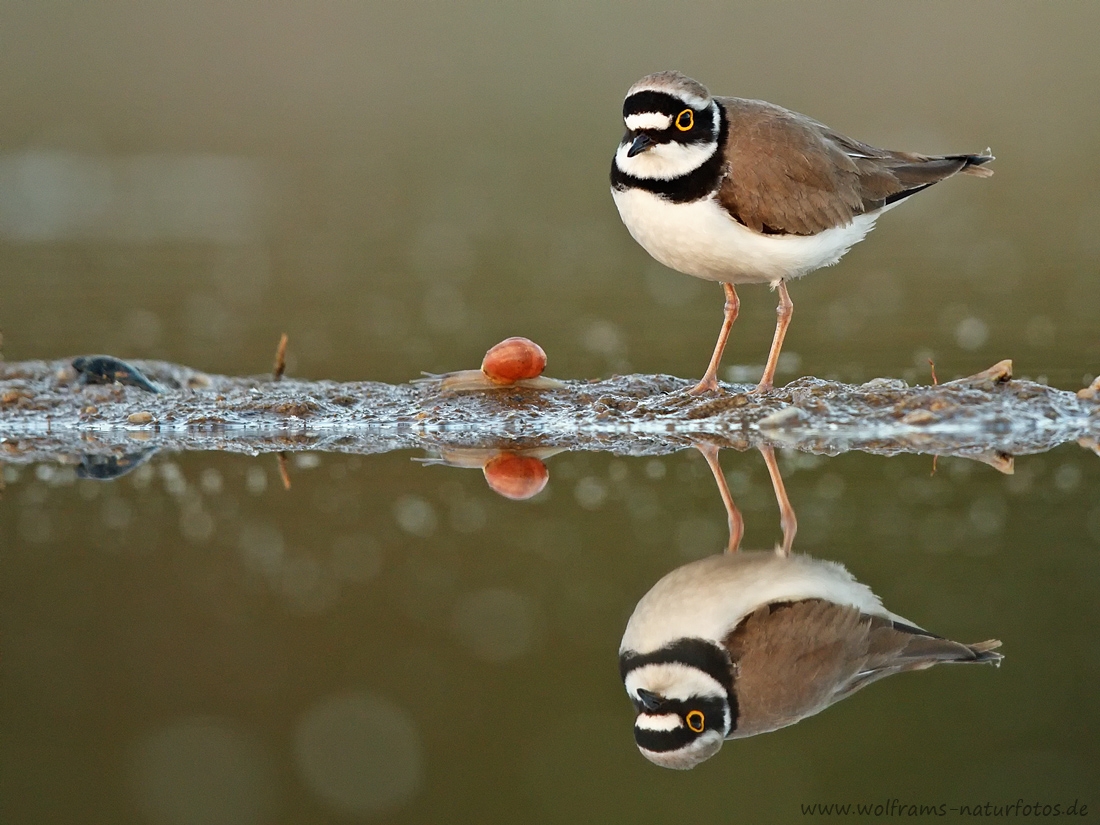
(674, 680)
(665, 161)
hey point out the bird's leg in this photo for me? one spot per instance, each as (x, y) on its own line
(783, 313)
(787, 520)
(733, 515)
(709, 382)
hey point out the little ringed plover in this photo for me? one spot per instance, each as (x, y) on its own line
(742, 191)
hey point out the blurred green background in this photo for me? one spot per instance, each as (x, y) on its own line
(398, 186)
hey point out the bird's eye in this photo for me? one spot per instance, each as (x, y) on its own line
(685, 120)
(695, 720)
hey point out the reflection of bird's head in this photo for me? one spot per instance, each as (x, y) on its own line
(682, 695)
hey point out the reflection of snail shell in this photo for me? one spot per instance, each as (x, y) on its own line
(514, 359)
(517, 477)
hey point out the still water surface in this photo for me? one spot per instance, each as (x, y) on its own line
(193, 642)
(398, 187)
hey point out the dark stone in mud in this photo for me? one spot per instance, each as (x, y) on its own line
(106, 369)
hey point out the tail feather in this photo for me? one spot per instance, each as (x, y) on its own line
(921, 651)
(986, 651)
(914, 173)
(893, 644)
(975, 164)
(929, 170)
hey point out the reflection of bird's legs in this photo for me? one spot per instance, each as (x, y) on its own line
(787, 518)
(733, 515)
(709, 381)
(784, 312)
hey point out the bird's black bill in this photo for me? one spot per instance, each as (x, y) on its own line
(640, 144)
(650, 700)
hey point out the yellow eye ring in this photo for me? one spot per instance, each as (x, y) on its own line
(695, 720)
(685, 127)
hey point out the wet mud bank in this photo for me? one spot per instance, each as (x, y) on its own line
(105, 410)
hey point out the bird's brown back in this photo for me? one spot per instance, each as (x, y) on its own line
(789, 174)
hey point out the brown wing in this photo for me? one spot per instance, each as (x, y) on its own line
(789, 174)
(795, 659)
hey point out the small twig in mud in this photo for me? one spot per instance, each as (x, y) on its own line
(284, 472)
(935, 458)
(280, 361)
(932, 364)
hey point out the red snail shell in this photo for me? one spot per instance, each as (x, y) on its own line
(517, 477)
(514, 362)
(514, 359)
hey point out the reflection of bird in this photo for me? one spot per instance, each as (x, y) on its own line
(742, 191)
(743, 643)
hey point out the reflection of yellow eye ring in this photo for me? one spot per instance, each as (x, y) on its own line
(695, 720)
(690, 120)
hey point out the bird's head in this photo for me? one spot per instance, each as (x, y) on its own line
(672, 126)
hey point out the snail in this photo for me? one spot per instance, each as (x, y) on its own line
(514, 474)
(514, 362)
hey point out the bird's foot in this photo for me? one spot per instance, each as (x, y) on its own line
(762, 388)
(708, 385)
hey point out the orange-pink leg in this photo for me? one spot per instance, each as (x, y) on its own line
(709, 382)
(784, 312)
(787, 520)
(733, 515)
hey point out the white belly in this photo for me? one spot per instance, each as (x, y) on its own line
(701, 239)
(708, 598)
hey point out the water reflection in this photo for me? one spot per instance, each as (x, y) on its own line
(514, 473)
(359, 752)
(384, 633)
(201, 770)
(748, 642)
(110, 467)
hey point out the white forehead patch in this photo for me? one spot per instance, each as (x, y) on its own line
(663, 721)
(648, 120)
